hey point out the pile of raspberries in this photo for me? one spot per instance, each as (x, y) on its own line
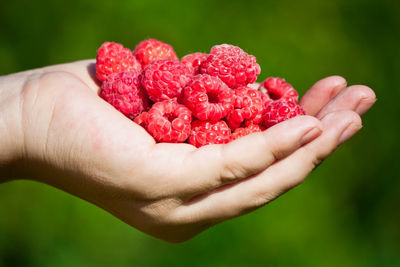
(201, 99)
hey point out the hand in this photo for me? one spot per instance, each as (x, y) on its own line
(68, 137)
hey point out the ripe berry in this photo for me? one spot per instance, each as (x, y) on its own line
(167, 121)
(232, 65)
(207, 133)
(141, 119)
(266, 100)
(193, 61)
(278, 88)
(281, 110)
(243, 131)
(113, 58)
(208, 97)
(248, 108)
(122, 90)
(164, 79)
(149, 50)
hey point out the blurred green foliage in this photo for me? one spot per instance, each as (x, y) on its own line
(345, 214)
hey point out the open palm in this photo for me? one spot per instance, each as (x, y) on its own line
(79, 143)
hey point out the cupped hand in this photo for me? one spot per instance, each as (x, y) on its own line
(77, 142)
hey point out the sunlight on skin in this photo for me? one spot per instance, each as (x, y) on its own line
(68, 137)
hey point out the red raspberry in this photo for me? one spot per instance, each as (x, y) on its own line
(281, 110)
(248, 108)
(277, 88)
(149, 50)
(113, 58)
(122, 90)
(193, 61)
(167, 121)
(164, 79)
(243, 131)
(232, 65)
(141, 119)
(265, 99)
(208, 97)
(207, 133)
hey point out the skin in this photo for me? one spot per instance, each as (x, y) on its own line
(56, 130)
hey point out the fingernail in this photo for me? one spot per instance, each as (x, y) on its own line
(311, 135)
(364, 104)
(349, 132)
(340, 86)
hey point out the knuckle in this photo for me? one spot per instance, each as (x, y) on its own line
(231, 174)
(231, 170)
(316, 161)
(260, 199)
(311, 158)
(277, 153)
(315, 158)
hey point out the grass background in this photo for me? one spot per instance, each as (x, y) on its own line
(345, 214)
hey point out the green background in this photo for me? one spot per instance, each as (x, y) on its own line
(345, 214)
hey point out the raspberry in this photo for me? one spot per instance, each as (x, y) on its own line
(243, 131)
(265, 99)
(208, 97)
(278, 88)
(281, 110)
(164, 79)
(167, 121)
(232, 65)
(217, 89)
(248, 108)
(149, 50)
(113, 58)
(122, 90)
(193, 61)
(141, 119)
(207, 133)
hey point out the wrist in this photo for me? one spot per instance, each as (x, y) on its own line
(12, 152)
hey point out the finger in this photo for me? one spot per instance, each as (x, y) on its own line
(337, 128)
(321, 93)
(215, 165)
(252, 193)
(83, 69)
(358, 98)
